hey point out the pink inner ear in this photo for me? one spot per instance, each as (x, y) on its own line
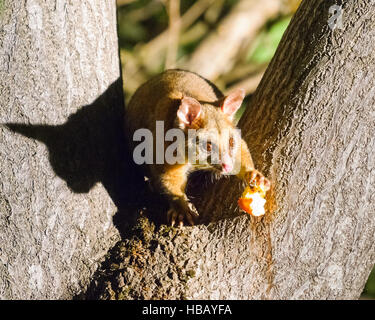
(189, 110)
(232, 102)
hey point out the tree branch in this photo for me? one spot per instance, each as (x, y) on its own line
(216, 53)
(311, 129)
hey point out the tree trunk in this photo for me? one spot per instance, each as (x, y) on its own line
(311, 129)
(61, 109)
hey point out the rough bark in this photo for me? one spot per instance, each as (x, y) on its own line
(61, 108)
(311, 128)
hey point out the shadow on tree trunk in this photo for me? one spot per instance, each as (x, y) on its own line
(90, 148)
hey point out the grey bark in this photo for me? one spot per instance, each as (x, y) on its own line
(61, 108)
(311, 128)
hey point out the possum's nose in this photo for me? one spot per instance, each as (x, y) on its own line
(227, 167)
(226, 163)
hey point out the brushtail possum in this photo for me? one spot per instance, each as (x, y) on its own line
(184, 100)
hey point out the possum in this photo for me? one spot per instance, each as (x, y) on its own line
(187, 102)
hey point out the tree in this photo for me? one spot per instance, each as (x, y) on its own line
(61, 144)
(65, 170)
(311, 128)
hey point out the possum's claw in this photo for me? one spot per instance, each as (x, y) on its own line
(255, 178)
(185, 213)
(172, 216)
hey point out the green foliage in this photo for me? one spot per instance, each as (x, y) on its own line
(370, 285)
(131, 32)
(140, 21)
(267, 41)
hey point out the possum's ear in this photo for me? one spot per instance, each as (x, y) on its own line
(189, 110)
(232, 102)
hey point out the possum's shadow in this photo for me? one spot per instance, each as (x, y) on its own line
(90, 147)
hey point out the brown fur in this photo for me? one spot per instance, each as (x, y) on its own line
(159, 99)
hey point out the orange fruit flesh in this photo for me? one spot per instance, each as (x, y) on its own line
(252, 201)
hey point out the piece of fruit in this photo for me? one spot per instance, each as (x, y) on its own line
(252, 201)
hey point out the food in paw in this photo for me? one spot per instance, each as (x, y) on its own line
(252, 200)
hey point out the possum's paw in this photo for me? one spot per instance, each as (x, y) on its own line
(182, 213)
(255, 178)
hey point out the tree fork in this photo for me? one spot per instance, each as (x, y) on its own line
(311, 128)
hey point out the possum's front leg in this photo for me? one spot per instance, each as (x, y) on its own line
(174, 182)
(247, 172)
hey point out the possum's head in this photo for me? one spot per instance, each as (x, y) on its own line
(213, 140)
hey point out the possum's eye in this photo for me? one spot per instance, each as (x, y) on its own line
(231, 142)
(208, 146)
